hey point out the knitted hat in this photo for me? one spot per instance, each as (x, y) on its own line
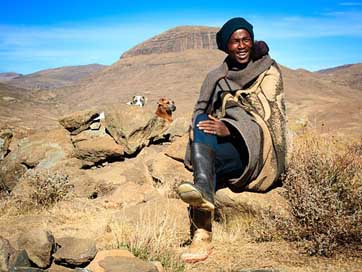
(224, 34)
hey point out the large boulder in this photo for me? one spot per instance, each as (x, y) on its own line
(78, 121)
(126, 264)
(232, 205)
(134, 127)
(39, 245)
(167, 173)
(44, 150)
(75, 251)
(5, 139)
(99, 149)
(177, 150)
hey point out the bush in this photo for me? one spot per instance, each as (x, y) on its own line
(37, 189)
(324, 192)
(49, 187)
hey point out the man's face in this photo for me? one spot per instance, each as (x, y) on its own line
(239, 46)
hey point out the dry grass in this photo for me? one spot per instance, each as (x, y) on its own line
(37, 190)
(324, 193)
(151, 238)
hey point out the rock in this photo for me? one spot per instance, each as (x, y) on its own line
(26, 269)
(95, 126)
(128, 194)
(5, 139)
(177, 149)
(101, 255)
(39, 245)
(178, 128)
(74, 251)
(126, 264)
(20, 259)
(58, 268)
(134, 127)
(231, 204)
(6, 251)
(78, 121)
(98, 149)
(168, 173)
(44, 150)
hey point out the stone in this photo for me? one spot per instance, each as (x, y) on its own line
(168, 173)
(20, 259)
(58, 268)
(78, 121)
(45, 150)
(126, 264)
(178, 128)
(98, 149)
(101, 255)
(95, 126)
(39, 245)
(74, 251)
(6, 250)
(134, 127)
(177, 149)
(231, 204)
(5, 139)
(26, 269)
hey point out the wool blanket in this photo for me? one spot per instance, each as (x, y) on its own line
(258, 115)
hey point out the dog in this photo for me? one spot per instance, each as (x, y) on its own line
(137, 100)
(165, 107)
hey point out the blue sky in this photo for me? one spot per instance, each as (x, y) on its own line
(36, 35)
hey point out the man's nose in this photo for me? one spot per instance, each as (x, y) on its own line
(241, 45)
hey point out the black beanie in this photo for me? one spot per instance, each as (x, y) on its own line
(224, 34)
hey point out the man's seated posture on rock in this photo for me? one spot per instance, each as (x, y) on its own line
(237, 136)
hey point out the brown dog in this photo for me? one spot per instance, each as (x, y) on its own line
(165, 107)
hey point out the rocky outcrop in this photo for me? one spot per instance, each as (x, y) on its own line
(39, 245)
(78, 121)
(74, 251)
(42, 150)
(176, 40)
(134, 127)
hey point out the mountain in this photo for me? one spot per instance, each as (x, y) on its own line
(176, 40)
(168, 66)
(55, 78)
(347, 75)
(4, 77)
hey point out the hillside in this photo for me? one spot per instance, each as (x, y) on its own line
(347, 75)
(54, 78)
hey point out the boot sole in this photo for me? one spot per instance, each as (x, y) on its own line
(193, 197)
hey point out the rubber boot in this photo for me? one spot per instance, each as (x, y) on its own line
(201, 235)
(200, 194)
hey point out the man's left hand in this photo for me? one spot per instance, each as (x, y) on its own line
(214, 126)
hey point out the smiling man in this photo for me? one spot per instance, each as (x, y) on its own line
(237, 135)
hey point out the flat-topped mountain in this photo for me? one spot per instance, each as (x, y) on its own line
(55, 78)
(176, 40)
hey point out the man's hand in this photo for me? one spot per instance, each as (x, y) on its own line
(214, 126)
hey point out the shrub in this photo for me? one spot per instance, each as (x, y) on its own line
(37, 189)
(48, 187)
(324, 193)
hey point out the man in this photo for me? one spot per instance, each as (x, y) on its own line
(237, 135)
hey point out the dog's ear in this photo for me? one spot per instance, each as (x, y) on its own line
(133, 97)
